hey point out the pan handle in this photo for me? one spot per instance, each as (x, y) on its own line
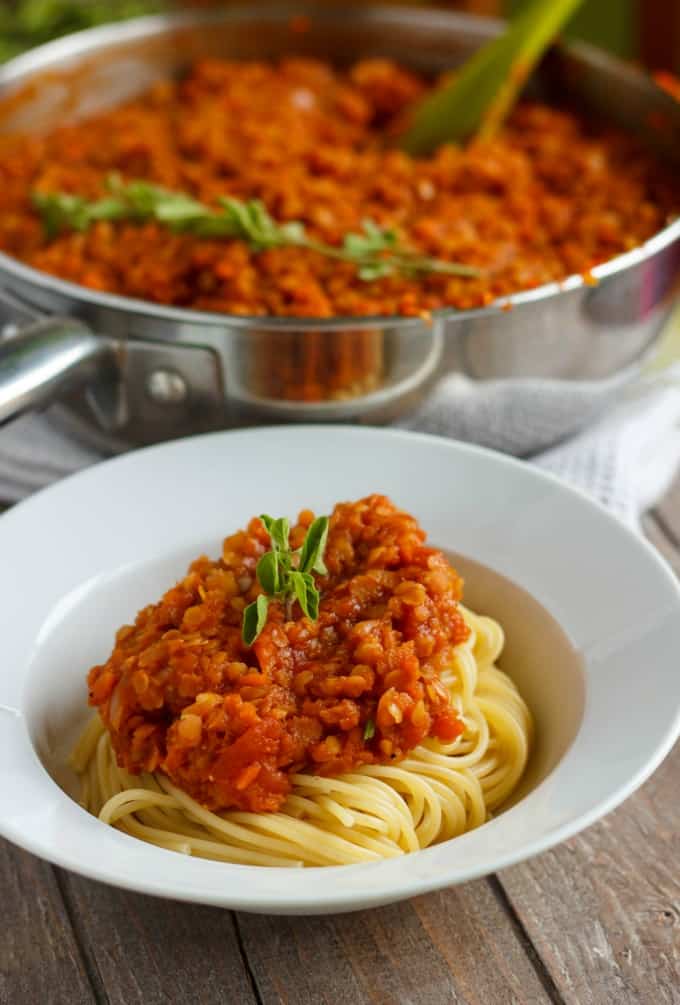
(47, 359)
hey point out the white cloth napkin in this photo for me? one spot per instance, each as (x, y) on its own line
(626, 461)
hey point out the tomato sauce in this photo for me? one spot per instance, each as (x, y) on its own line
(550, 195)
(181, 693)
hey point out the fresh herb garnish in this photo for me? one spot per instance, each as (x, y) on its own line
(255, 618)
(369, 729)
(286, 575)
(376, 251)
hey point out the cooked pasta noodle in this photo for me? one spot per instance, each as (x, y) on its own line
(437, 792)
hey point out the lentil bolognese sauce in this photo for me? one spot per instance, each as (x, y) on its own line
(552, 194)
(379, 724)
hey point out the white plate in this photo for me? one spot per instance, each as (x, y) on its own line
(80, 558)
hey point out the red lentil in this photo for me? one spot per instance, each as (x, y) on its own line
(551, 195)
(181, 692)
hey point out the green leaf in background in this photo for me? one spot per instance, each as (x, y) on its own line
(482, 93)
(376, 252)
(56, 211)
(612, 25)
(26, 23)
(71, 212)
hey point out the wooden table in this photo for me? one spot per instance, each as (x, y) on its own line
(597, 920)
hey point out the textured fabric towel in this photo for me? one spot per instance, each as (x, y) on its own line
(626, 460)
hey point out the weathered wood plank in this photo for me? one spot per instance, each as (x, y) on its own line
(144, 951)
(39, 957)
(458, 946)
(603, 910)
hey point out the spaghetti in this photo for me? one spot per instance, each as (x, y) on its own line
(438, 791)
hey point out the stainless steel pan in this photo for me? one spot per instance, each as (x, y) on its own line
(131, 372)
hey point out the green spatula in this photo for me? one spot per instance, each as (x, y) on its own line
(482, 94)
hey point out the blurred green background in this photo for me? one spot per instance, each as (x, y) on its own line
(626, 27)
(611, 24)
(25, 23)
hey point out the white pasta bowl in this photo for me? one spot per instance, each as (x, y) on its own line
(591, 614)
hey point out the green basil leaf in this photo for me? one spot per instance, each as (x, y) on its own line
(299, 585)
(278, 531)
(313, 597)
(268, 522)
(376, 270)
(311, 556)
(369, 729)
(306, 593)
(268, 573)
(254, 619)
(281, 533)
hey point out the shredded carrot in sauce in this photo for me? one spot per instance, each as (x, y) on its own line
(181, 693)
(551, 195)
